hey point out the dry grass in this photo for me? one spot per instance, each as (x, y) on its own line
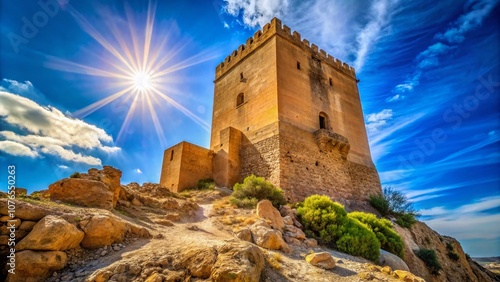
(274, 260)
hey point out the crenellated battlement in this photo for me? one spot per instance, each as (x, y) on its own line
(275, 28)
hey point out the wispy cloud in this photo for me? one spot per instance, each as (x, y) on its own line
(476, 11)
(324, 22)
(469, 221)
(375, 120)
(256, 12)
(40, 130)
(370, 33)
(138, 171)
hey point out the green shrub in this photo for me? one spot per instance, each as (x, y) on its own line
(329, 222)
(383, 229)
(75, 175)
(245, 203)
(395, 203)
(406, 220)
(451, 253)
(205, 184)
(430, 259)
(253, 189)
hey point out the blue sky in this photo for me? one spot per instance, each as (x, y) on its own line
(429, 83)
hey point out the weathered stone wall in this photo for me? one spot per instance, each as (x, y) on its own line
(305, 170)
(318, 87)
(183, 165)
(261, 158)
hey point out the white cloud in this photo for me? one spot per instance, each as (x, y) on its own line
(385, 114)
(16, 149)
(138, 171)
(468, 221)
(63, 167)
(47, 130)
(226, 25)
(477, 11)
(396, 97)
(468, 21)
(324, 22)
(256, 12)
(371, 32)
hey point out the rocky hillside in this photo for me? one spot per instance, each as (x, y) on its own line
(91, 228)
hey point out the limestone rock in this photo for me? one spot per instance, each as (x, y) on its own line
(98, 188)
(244, 234)
(269, 238)
(52, 233)
(199, 260)
(395, 262)
(173, 216)
(266, 210)
(311, 243)
(288, 220)
(102, 230)
(83, 192)
(238, 261)
(323, 260)
(24, 211)
(407, 276)
(37, 266)
(294, 232)
(142, 232)
(27, 225)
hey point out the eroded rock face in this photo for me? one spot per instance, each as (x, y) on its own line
(34, 266)
(198, 260)
(323, 260)
(238, 261)
(102, 230)
(52, 233)
(266, 210)
(98, 188)
(24, 211)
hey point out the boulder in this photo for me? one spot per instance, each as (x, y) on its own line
(24, 211)
(82, 192)
(294, 232)
(27, 225)
(266, 210)
(238, 261)
(311, 243)
(393, 261)
(37, 266)
(199, 260)
(102, 230)
(269, 238)
(288, 212)
(244, 234)
(288, 220)
(52, 233)
(407, 276)
(111, 176)
(323, 260)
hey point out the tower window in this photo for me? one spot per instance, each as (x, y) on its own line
(324, 122)
(330, 81)
(240, 99)
(298, 65)
(241, 76)
(172, 155)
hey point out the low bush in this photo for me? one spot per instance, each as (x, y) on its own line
(395, 203)
(328, 221)
(383, 229)
(254, 189)
(451, 252)
(205, 184)
(75, 175)
(430, 259)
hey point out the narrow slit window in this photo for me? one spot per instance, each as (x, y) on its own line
(330, 81)
(324, 122)
(241, 76)
(172, 155)
(298, 65)
(240, 99)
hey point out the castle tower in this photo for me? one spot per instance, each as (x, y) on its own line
(287, 111)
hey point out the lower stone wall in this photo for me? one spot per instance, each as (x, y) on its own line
(305, 170)
(261, 158)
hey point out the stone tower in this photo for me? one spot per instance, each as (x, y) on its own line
(287, 111)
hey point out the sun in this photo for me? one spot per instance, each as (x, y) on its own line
(142, 81)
